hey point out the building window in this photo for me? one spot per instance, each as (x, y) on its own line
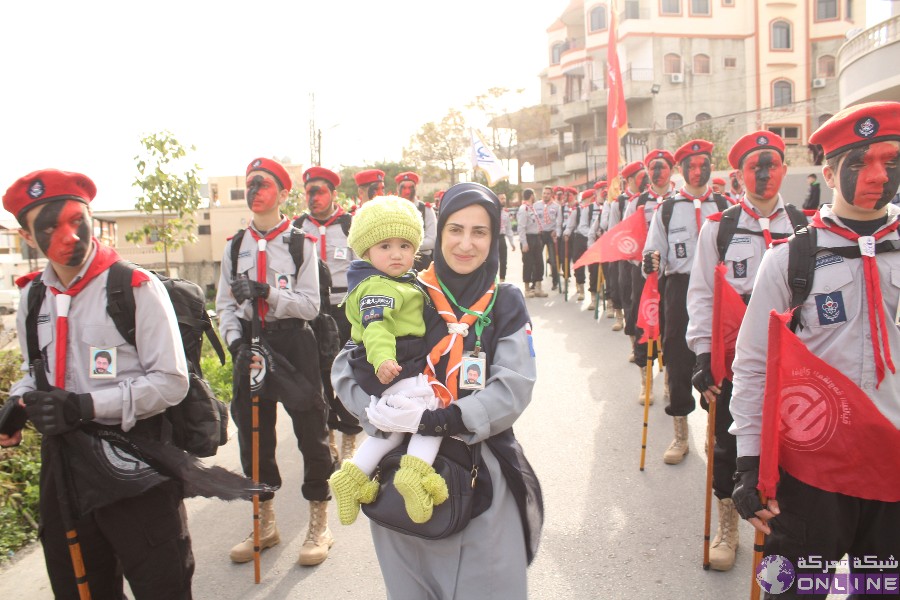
(632, 9)
(670, 7)
(727, 2)
(556, 52)
(671, 64)
(203, 230)
(731, 62)
(700, 8)
(781, 35)
(789, 133)
(782, 93)
(825, 66)
(702, 117)
(237, 194)
(552, 89)
(598, 18)
(823, 118)
(674, 121)
(826, 9)
(206, 216)
(848, 10)
(701, 64)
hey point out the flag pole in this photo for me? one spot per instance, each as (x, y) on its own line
(566, 267)
(759, 540)
(651, 345)
(710, 446)
(255, 336)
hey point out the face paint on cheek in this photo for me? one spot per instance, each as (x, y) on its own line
(763, 174)
(63, 232)
(262, 194)
(319, 198)
(642, 181)
(660, 172)
(407, 190)
(869, 176)
(698, 170)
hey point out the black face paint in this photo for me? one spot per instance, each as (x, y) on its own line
(253, 186)
(372, 190)
(62, 231)
(764, 168)
(869, 176)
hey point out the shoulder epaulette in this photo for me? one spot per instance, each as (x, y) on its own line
(24, 280)
(715, 217)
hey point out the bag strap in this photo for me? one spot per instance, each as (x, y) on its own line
(120, 305)
(797, 217)
(727, 228)
(721, 202)
(36, 294)
(665, 210)
(801, 270)
(235, 251)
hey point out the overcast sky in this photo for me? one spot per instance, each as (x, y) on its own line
(83, 81)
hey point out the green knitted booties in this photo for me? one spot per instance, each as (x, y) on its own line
(351, 487)
(421, 487)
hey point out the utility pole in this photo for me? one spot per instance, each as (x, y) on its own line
(315, 134)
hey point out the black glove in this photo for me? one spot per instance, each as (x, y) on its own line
(702, 378)
(12, 416)
(745, 494)
(58, 410)
(442, 422)
(235, 347)
(246, 289)
(648, 263)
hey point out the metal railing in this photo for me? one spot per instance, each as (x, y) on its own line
(883, 34)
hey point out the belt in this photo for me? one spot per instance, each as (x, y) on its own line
(277, 325)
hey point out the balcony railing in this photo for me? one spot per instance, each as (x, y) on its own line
(883, 34)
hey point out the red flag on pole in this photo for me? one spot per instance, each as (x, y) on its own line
(728, 313)
(820, 427)
(625, 241)
(616, 110)
(648, 309)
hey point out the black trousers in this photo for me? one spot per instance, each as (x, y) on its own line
(308, 415)
(144, 538)
(339, 418)
(564, 251)
(547, 239)
(502, 257)
(626, 272)
(533, 260)
(725, 449)
(829, 525)
(679, 358)
(579, 246)
(612, 283)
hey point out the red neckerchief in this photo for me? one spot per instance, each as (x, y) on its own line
(322, 227)
(261, 267)
(763, 222)
(874, 299)
(698, 200)
(546, 212)
(533, 212)
(103, 259)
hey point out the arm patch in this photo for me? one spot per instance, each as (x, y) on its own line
(367, 302)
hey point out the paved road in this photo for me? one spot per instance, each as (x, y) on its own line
(611, 531)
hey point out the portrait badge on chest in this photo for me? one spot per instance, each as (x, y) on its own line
(103, 363)
(472, 371)
(681, 250)
(739, 269)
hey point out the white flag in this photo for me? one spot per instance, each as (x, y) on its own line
(484, 158)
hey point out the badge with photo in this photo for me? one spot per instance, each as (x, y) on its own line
(471, 372)
(103, 363)
(283, 281)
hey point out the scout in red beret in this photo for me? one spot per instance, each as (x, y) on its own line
(861, 145)
(695, 160)
(601, 184)
(588, 194)
(62, 230)
(406, 185)
(632, 168)
(370, 184)
(272, 168)
(636, 179)
(313, 173)
(757, 140)
(407, 176)
(659, 154)
(659, 165)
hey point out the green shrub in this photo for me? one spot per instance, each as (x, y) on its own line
(218, 375)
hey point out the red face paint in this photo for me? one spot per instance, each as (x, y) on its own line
(763, 172)
(62, 231)
(379, 191)
(660, 172)
(407, 190)
(319, 198)
(696, 170)
(869, 176)
(262, 194)
(641, 181)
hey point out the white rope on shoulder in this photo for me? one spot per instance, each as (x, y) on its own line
(458, 328)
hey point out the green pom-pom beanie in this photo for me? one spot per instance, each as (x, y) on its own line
(383, 218)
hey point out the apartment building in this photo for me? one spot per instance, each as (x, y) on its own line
(733, 65)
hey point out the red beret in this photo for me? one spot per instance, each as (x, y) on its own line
(657, 154)
(758, 140)
(601, 185)
(571, 190)
(46, 186)
(588, 194)
(439, 194)
(632, 169)
(858, 126)
(718, 181)
(693, 147)
(321, 173)
(558, 188)
(367, 177)
(407, 176)
(272, 168)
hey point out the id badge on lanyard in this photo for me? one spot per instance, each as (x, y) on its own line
(472, 371)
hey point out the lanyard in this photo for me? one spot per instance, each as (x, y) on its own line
(481, 320)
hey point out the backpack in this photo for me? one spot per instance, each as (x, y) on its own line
(324, 326)
(199, 423)
(802, 251)
(668, 205)
(728, 226)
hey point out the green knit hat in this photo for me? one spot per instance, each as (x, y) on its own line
(383, 218)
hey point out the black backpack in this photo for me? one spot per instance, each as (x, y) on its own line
(728, 226)
(324, 327)
(199, 423)
(668, 205)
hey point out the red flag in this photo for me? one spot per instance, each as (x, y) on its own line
(625, 241)
(820, 427)
(648, 309)
(616, 111)
(728, 313)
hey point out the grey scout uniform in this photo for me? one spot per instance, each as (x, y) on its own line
(337, 256)
(528, 223)
(580, 219)
(677, 246)
(843, 343)
(506, 226)
(548, 215)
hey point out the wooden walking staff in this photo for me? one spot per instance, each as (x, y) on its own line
(566, 268)
(710, 443)
(57, 466)
(759, 541)
(257, 375)
(651, 345)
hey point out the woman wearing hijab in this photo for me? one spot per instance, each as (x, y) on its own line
(489, 557)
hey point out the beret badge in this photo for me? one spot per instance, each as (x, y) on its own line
(866, 127)
(36, 190)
